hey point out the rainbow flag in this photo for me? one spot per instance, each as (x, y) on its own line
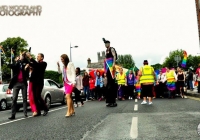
(12, 53)
(1, 49)
(108, 65)
(183, 64)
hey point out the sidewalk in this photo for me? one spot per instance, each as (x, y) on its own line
(193, 93)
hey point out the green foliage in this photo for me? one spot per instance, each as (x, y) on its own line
(157, 66)
(18, 45)
(53, 75)
(192, 61)
(170, 59)
(126, 61)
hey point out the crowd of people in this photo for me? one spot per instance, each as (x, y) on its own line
(97, 85)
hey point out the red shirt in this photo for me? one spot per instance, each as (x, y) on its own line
(20, 76)
(92, 83)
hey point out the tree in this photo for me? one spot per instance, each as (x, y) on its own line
(126, 61)
(170, 59)
(18, 45)
(53, 75)
(157, 66)
(192, 61)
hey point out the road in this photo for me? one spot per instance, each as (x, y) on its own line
(170, 119)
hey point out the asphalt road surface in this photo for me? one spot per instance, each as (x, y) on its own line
(166, 119)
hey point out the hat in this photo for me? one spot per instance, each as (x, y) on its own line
(145, 62)
(107, 41)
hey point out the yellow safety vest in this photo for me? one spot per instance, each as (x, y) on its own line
(121, 79)
(147, 74)
(170, 76)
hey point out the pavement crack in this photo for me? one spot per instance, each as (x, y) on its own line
(94, 127)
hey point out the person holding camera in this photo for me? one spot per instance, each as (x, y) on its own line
(17, 83)
(39, 68)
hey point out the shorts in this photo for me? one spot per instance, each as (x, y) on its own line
(147, 90)
(68, 88)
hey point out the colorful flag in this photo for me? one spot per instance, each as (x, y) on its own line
(12, 54)
(108, 65)
(1, 49)
(183, 64)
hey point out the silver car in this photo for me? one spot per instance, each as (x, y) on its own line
(3, 96)
(51, 93)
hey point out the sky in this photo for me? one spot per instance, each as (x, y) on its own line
(146, 29)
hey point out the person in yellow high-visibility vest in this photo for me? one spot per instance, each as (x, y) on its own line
(147, 78)
(121, 81)
(171, 78)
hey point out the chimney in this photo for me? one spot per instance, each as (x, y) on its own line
(98, 56)
(89, 61)
(103, 55)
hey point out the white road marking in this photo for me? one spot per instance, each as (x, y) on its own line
(136, 107)
(136, 100)
(29, 117)
(134, 128)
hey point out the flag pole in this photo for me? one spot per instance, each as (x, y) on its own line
(0, 65)
(11, 63)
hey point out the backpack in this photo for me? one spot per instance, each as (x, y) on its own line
(115, 52)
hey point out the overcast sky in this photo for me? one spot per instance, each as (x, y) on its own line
(146, 29)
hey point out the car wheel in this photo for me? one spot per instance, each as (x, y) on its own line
(64, 100)
(3, 105)
(48, 101)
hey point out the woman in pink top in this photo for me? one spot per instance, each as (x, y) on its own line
(198, 77)
(68, 76)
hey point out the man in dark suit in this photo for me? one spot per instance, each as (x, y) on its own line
(17, 83)
(39, 68)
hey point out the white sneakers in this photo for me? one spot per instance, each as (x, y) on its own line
(144, 103)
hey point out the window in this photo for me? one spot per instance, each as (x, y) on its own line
(47, 83)
(52, 84)
(5, 88)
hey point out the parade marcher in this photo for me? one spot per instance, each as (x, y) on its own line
(171, 79)
(147, 79)
(92, 84)
(181, 82)
(109, 68)
(30, 90)
(98, 86)
(69, 79)
(78, 87)
(39, 68)
(198, 78)
(162, 84)
(121, 79)
(130, 79)
(17, 83)
(86, 85)
(190, 79)
(105, 81)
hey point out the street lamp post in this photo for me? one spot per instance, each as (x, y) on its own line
(177, 58)
(71, 51)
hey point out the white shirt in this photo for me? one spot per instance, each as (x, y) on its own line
(161, 78)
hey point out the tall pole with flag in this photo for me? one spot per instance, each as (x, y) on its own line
(1, 51)
(12, 55)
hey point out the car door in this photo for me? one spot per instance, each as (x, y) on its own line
(50, 89)
(56, 94)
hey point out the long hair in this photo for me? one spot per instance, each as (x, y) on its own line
(78, 71)
(66, 59)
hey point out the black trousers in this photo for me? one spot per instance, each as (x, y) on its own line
(16, 89)
(111, 94)
(104, 91)
(98, 92)
(161, 89)
(130, 90)
(77, 96)
(39, 102)
(198, 86)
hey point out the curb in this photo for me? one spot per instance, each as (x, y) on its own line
(193, 93)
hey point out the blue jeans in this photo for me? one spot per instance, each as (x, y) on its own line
(191, 85)
(86, 91)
